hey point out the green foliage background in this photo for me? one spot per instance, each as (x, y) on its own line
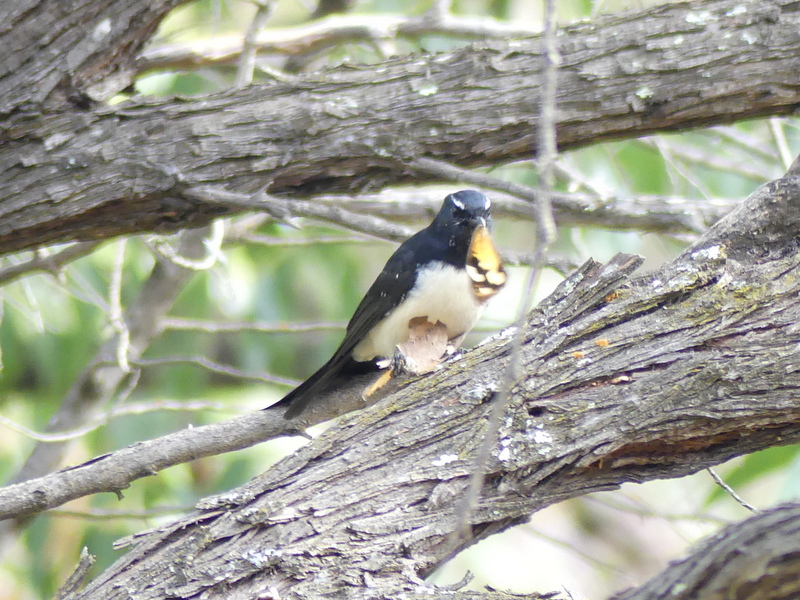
(51, 328)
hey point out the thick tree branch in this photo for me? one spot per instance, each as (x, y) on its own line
(66, 56)
(758, 558)
(625, 379)
(81, 174)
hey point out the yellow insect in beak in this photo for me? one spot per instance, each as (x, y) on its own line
(484, 265)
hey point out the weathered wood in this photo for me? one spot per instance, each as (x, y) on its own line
(90, 174)
(64, 55)
(626, 379)
(758, 558)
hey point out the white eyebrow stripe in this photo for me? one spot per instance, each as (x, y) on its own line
(458, 203)
(488, 203)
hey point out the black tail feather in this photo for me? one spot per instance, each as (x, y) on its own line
(325, 378)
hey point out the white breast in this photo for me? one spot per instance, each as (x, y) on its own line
(441, 293)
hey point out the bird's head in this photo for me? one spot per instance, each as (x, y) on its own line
(466, 209)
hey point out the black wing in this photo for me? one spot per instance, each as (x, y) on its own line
(388, 291)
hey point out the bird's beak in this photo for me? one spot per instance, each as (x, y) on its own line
(480, 222)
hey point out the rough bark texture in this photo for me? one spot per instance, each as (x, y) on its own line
(62, 54)
(624, 379)
(71, 170)
(759, 558)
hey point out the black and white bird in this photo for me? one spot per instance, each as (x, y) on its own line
(445, 273)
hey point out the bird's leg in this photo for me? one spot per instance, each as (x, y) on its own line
(376, 385)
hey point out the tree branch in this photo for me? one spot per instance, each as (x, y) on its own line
(662, 214)
(320, 35)
(625, 379)
(114, 472)
(47, 263)
(64, 59)
(98, 383)
(758, 558)
(662, 69)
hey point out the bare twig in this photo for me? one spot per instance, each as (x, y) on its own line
(702, 157)
(118, 411)
(247, 60)
(52, 264)
(545, 235)
(779, 136)
(590, 559)
(448, 171)
(99, 514)
(140, 408)
(323, 34)
(440, 10)
(642, 511)
(546, 226)
(751, 145)
(115, 309)
(80, 287)
(298, 208)
(576, 180)
(663, 214)
(561, 263)
(58, 436)
(268, 240)
(235, 326)
(352, 221)
(718, 480)
(34, 312)
(213, 245)
(213, 366)
(679, 171)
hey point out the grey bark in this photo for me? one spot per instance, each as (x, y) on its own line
(61, 55)
(759, 558)
(73, 170)
(624, 379)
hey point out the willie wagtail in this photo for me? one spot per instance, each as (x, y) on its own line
(445, 273)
